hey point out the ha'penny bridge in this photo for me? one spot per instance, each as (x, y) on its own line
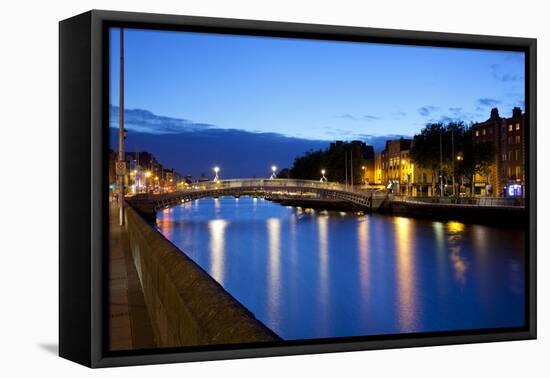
(360, 199)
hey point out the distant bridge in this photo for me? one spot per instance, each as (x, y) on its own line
(149, 204)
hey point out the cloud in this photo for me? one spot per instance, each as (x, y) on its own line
(194, 148)
(500, 74)
(488, 102)
(399, 114)
(379, 141)
(369, 117)
(351, 117)
(338, 133)
(346, 116)
(426, 111)
(145, 121)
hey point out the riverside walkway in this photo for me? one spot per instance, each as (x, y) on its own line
(130, 326)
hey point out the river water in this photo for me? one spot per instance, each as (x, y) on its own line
(318, 274)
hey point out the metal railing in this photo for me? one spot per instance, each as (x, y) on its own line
(272, 184)
(231, 187)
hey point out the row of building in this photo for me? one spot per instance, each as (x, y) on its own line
(394, 168)
(144, 174)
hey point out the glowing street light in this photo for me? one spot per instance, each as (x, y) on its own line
(323, 178)
(273, 172)
(216, 171)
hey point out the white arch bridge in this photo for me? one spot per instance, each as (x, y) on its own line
(149, 204)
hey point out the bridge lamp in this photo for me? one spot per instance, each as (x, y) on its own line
(216, 171)
(273, 172)
(323, 178)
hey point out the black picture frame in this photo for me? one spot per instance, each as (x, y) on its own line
(83, 211)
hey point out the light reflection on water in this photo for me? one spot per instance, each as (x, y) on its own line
(405, 275)
(273, 289)
(217, 248)
(316, 274)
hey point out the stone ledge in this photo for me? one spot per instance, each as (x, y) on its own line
(186, 305)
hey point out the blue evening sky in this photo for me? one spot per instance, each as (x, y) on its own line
(321, 90)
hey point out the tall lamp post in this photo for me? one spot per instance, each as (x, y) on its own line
(453, 154)
(121, 130)
(441, 163)
(459, 158)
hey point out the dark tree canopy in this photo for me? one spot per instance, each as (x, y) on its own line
(451, 148)
(333, 161)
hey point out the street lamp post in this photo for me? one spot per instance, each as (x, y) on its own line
(453, 154)
(273, 172)
(459, 157)
(441, 163)
(121, 130)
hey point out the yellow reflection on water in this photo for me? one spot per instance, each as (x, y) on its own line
(217, 228)
(455, 227)
(274, 287)
(405, 274)
(456, 231)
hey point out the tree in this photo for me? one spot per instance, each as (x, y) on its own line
(437, 147)
(334, 160)
(284, 173)
(478, 157)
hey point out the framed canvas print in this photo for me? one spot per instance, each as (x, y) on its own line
(234, 188)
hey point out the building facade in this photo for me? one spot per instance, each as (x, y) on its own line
(394, 168)
(506, 176)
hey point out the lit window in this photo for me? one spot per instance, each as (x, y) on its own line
(510, 155)
(518, 139)
(477, 133)
(518, 172)
(517, 154)
(504, 157)
(483, 131)
(510, 127)
(517, 126)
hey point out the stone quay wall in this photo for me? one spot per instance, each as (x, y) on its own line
(187, 307)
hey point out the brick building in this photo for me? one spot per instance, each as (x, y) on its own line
(506, 176)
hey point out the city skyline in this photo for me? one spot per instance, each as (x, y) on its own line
(309, 89)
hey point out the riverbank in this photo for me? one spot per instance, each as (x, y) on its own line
(506, 216)
(317, 203)
(187, 306)
(499, 215)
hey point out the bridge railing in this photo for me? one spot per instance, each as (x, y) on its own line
(276, 183)
(264, 184)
